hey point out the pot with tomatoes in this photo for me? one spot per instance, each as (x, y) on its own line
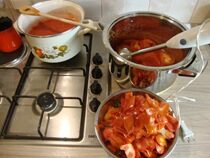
(140, 30)
(136, 123)
(53, 41)
(142, 78)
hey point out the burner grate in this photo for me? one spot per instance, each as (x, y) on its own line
(8, 75)
(54, 125)
(68, 83)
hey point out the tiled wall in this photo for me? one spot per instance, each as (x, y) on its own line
(194, 11)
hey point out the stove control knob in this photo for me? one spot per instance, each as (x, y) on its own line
(94, 104)
(95, 88)
(97, 59)
(96, 73)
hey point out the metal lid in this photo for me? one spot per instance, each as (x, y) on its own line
(14, 58)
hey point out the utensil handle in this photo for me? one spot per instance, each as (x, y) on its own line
(69, 21)
(187, 39)
(156, 47)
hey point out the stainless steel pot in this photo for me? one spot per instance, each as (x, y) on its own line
(149, 25)
(103, 109)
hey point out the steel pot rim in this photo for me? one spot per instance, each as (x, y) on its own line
(105, 36)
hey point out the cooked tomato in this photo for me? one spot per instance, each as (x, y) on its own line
(140, 126)
(160, 139)
(115, 139)
(161, 57)
(112, 112)
(135, 45)
(145, 43)
(166, 58)
(128, 123)
(142, 78)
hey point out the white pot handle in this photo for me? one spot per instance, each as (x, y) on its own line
(90, 23)
(15, 25)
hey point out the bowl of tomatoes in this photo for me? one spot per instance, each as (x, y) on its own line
(135, 123)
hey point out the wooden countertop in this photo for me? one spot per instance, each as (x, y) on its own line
(195, 114)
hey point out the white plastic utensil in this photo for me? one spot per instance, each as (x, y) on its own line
(185, 39)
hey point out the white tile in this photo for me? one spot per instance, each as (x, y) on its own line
(179, 9)
(201, 12)
(92, 8)
(111, 9)
(182, 10)
(160, 6)
(19, 3)
(136, 5)
(1, 4)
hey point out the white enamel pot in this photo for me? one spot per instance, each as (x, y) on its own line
(59, 47)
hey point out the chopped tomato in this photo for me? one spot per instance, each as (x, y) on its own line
(152, 102)
(149, 59)
(127, 102)
(163, 108)
(128, 123)
(129, 150)
(145, 43)
(111, 113)
(135, 45)
(141, 126)
(172, 123)
(167, 134)
(139, 133)
(166, 58)
(142, 78)
(139, 103)
(116, 140)
(160, 149)
(149, 154)
(161, 57)
(145, 144)
(160, 139)
(151, 129)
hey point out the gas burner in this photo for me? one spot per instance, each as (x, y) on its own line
(48, 102)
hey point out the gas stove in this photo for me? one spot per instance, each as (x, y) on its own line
(55, 104)
(44, 103)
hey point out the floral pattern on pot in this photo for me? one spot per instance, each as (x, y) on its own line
(54, 52)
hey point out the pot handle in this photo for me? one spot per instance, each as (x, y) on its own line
(189, 70)
(15, 25)
(184, 72)
(90, 23)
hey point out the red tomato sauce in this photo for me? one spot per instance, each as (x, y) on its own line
(45, 27)
(49, 27)
(142, 32)
(142, 78)
(161, 57)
